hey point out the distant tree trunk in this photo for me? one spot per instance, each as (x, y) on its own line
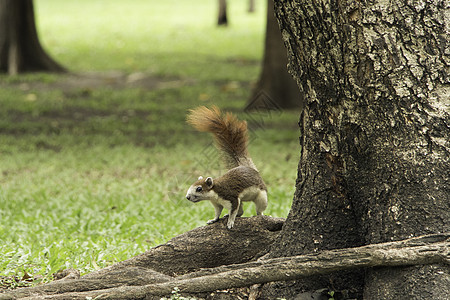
(251, 6)
(20, 49)
(375, 144)
(222, 17)
(275, 84)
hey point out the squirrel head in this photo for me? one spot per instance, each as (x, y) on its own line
(201, 190)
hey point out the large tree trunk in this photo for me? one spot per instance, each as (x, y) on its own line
(20, 49)
(375, 156)
(275, 85)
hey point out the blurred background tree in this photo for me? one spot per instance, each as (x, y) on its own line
(222, 16)
(20, 49)
(274, 81)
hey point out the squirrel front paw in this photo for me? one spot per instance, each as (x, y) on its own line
(212, 221)
(230, 224)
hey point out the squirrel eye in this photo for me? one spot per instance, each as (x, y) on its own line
(199, 189)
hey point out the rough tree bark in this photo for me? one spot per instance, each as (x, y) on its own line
(375, 156)
(20, 49)
(275, 83)
(132, 282)
(222, 15)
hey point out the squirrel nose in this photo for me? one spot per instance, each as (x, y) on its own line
(188, 197)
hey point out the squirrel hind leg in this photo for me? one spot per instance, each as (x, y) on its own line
(233, 213)
(240, 211)
(261, 203)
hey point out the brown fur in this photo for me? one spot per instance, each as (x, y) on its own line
(229, 133)
(229, 185)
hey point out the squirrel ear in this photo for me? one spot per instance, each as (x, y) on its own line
(200, 178)
(209, 181)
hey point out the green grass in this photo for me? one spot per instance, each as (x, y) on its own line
(92, 174)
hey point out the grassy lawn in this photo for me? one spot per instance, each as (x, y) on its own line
(94, 165)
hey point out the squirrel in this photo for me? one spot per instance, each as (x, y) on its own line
(242, 182)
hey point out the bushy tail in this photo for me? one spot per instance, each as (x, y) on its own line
(229, 133)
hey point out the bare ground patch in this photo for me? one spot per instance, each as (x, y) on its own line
(108, 79)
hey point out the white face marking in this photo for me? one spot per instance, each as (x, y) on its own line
(194, 196)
